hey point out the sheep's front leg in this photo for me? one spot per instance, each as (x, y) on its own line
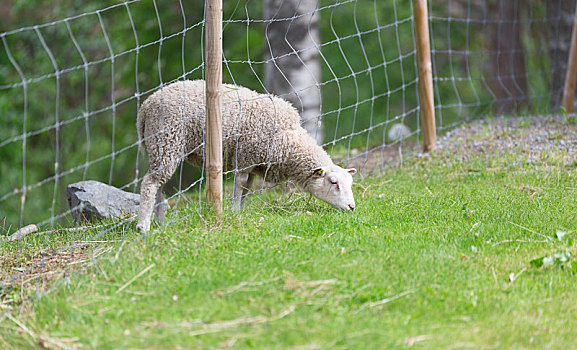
(246, 189)
(148, 191)
(242, 183)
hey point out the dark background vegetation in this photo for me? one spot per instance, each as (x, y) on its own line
(489, 57)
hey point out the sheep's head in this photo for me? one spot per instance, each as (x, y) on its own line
(333, 184)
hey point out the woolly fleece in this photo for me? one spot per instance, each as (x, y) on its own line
(261, 133)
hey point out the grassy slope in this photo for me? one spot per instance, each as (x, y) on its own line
(435, 242)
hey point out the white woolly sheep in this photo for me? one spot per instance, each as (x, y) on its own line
(261, 136)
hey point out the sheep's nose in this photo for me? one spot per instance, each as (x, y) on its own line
(351, 207)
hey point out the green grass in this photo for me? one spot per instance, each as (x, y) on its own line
(436, 255)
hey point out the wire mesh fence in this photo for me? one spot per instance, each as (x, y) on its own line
(498, 57)
(71, 86)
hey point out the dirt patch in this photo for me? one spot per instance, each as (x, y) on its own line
(20, 276)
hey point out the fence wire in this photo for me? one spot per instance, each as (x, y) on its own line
(71, 87)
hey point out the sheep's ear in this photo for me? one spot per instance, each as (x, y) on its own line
(352, 171)
(318, 172)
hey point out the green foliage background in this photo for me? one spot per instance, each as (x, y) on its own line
(83, 119)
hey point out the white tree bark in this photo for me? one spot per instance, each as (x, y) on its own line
(293, 68)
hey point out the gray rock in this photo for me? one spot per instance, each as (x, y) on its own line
(92, 200)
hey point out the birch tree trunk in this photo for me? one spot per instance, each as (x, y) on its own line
(294, 68)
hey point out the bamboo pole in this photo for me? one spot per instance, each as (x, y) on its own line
(570, 75)
(425, 71)
(213, 127)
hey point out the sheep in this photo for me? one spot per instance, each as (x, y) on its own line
(261, 136)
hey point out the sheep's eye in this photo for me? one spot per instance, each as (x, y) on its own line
(336, 183)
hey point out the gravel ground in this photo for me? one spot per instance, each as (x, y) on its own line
(533, 140)
(540, 140)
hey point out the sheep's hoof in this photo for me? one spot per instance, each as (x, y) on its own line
(142, 228)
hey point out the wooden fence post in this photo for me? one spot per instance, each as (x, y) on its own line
(213, 126)
(425, 71)
(569, 89)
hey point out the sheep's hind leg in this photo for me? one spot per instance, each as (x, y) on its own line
(151, 193)
(160, 206)
(148, 189)
(242, 183)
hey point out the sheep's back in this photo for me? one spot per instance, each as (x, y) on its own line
(249, 120)
(242, 109)
(247, 111)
